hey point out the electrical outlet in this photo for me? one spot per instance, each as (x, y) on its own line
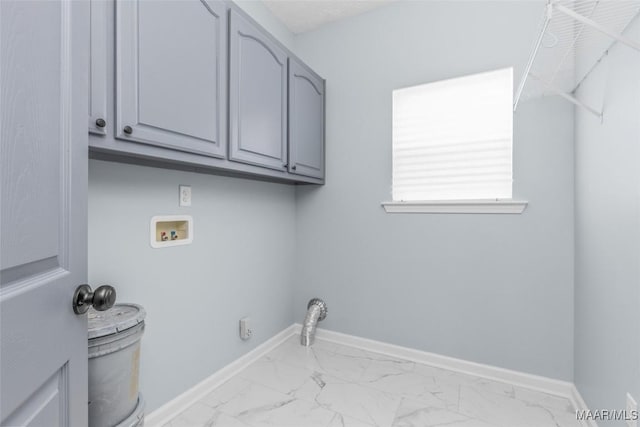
(632, 412)
(185, 195)
(245, 329)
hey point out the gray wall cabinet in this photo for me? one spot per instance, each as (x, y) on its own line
(198, 85)
(257, 96)
(170, 74)
(306, 121)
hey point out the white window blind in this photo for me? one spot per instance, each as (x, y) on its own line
(452, 139)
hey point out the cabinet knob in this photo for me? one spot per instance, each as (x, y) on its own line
(128, 130)
(293, 167)
(101, 123)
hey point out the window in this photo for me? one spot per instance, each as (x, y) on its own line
(452, 139)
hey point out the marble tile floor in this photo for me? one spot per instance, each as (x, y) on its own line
(332, 385)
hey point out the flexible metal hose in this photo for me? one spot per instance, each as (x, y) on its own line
(316, 311)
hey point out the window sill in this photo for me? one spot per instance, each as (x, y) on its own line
(458, 206)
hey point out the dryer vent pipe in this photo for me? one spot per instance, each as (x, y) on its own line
(316, 311)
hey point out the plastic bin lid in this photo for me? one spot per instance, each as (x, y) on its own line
(118, 318)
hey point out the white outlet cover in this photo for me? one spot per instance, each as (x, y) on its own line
(184, 192)
(245, 328)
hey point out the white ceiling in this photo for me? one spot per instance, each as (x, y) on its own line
(306, 15)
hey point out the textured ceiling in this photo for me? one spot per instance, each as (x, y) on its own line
(306, 15)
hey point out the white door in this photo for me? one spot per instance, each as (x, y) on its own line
(43, 213)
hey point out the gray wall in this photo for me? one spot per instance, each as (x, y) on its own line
(607, 295)
(238, 265)
(488, 288)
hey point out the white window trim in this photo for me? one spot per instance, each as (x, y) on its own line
(458, 206)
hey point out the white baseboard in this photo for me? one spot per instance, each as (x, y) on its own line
(565, 389)
(580, 405)
(165, 413)
(534, 382)
(552, 386)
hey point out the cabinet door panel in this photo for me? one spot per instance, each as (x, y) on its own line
(98, 111)
(170, 70)
(258, 97)
(306, 121)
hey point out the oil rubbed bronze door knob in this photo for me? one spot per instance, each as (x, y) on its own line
(103, 298)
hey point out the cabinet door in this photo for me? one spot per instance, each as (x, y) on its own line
(170, 74)
(258, 96)
(98, 112)
(306, 121)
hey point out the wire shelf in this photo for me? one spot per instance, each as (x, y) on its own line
(590, 26)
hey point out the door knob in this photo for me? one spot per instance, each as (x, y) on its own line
(101, 299)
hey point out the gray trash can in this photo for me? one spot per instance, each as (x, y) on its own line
(114, 363)
(136, 419)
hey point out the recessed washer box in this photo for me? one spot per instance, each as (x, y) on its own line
(170, 230)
